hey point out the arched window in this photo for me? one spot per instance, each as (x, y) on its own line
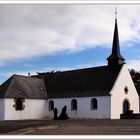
(126, 106)
(51, 105)
(94, 104)
(74, 104)
(19, 104)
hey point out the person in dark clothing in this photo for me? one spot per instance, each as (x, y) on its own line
(55, 114)
(64, 115)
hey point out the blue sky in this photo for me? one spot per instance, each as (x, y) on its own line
(40, 38)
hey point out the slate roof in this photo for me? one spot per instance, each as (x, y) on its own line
(19, 86)
(87, 82)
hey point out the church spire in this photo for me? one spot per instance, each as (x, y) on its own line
(115, 58)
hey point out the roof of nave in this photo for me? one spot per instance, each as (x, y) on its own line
(97, 81)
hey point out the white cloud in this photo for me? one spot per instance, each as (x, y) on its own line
(27, 31)
(134, 64)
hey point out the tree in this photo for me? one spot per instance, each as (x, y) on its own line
(136, 79)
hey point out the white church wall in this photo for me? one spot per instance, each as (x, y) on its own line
(33, 109)
(118, 94)
(83, 107)
(2, 109)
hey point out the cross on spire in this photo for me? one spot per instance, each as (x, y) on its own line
(116, 12)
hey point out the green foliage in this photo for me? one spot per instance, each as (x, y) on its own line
(136, 78)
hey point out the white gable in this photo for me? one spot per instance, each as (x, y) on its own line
(118, 94)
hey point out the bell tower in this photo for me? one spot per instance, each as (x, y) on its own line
(115, 58)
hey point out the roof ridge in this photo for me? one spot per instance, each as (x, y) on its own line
(73, 70)
(17, 75)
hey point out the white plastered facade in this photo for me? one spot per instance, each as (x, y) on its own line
(118, 94)
(34, 108)
(83, 107)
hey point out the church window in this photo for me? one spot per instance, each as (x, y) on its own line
(51, 105)
(19, 104)
(126, 89)
(94, 104)
(74, 104)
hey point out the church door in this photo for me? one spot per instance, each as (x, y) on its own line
(125, 106)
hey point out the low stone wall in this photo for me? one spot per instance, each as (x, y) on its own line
(130, 115)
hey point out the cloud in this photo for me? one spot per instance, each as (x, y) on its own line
(134, 64)
(28, 31)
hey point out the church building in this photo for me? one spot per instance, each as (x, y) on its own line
(102, 92)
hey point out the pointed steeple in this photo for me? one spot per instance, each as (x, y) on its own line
(115, 58)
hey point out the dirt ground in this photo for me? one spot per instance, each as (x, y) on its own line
(70, 127)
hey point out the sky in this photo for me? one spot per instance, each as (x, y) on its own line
(45, 37)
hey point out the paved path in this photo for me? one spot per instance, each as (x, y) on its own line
(70, 127)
